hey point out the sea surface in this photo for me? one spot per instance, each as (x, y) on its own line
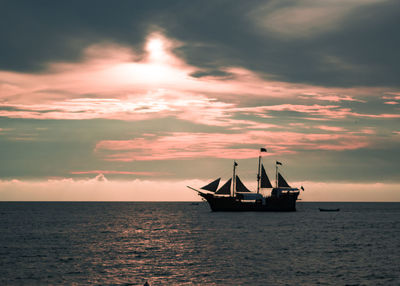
(186, 244)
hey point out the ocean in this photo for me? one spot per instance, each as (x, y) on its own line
(168, 243)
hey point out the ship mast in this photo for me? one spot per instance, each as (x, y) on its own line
(234, 178)
(258, 174)
(276, 172)
(259, 169)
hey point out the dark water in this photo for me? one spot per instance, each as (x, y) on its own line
(184, 244)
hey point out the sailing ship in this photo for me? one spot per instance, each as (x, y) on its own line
(235, 196)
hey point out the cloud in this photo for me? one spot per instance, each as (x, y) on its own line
(102, 172)
(350, 192)
(101, 189)
(305, 18)
(324, 111)
(330, 97)
(159, 103)
(307, 79)
(114, 82)
(318, 42)
(331, 128)
(97, 189)
(218, 145)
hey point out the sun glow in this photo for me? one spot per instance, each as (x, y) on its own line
(159, 66)
(156, 49)
(115, 82)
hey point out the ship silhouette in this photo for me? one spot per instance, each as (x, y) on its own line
(235, 196)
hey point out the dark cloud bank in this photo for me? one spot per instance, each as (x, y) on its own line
(214, 34)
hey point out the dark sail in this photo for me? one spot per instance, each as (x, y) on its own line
(213, 186)
(265, 183)
(225, 189)
(282, 182)
(240, 187)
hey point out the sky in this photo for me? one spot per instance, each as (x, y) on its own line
(134, 100)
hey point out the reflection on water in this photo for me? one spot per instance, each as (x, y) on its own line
(181, 243)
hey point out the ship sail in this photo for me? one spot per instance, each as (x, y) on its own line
(282, 182)
(225, 189)
(265, 183)
(240, 187)
(213, 186)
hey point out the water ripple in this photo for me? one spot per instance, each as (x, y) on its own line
(184, 244)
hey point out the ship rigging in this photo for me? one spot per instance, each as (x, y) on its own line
(235, 196)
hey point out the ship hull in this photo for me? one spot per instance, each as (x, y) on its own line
(283, 203)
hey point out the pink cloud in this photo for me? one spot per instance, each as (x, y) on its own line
(315, 109)
(98, 189)
(350, 192)
(111, 71)
(102, 189)
(217, 145)
(330, 97)
(392, 95)
(325, 111)
(391, 98)
(367, 131)
(113, 82)
(116, 172)
(379, 116)
(331, 128)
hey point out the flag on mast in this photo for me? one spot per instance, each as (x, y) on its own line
(278, 163)
(263, 150)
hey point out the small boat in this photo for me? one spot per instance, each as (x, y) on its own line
(328, 210)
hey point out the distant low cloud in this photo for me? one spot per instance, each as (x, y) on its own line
(113, 172)
(97, 189)
(350, 192)
(101, 189)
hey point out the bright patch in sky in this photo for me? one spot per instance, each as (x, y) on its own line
(313, 82)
